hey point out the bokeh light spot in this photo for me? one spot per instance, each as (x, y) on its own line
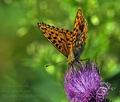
(95, 20)
(22, 31)
(50, 69)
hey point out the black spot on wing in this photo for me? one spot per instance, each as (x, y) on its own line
(49, 38)
(59, 47)
(52, 32)
(55, 37)
(54, 41)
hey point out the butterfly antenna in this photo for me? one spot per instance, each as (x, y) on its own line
(56, 63)
(85, 59)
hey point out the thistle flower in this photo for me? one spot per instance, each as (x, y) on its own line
(83, 83)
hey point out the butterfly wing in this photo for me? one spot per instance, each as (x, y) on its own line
(79, 33)
(56, 36)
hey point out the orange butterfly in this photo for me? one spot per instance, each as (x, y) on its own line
(70, 44)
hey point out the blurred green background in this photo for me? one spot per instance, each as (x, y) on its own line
(24, 52)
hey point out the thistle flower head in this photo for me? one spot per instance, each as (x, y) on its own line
(83, 83)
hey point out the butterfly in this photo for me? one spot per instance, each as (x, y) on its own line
(69, 43)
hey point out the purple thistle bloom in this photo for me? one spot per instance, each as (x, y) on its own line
(84, 84)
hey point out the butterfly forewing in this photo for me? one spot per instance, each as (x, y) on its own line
(79, 33)
(56, 36)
